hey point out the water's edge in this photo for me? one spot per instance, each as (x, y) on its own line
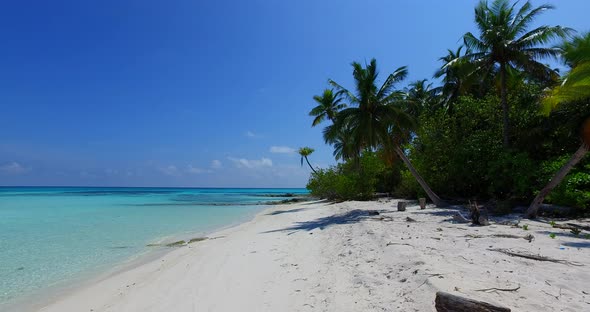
(36, 301)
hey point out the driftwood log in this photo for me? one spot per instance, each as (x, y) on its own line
(446, 302)
(401, 206)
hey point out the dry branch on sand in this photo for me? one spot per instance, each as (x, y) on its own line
(533, 257)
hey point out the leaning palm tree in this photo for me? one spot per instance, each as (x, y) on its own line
(375, 113)
(506, 44)
(304, 152)
(575, 86)
(329, 103)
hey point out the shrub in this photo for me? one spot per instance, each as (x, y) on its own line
(353, 179)
(574, 190)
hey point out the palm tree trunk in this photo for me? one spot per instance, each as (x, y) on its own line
(531, 213)
(504, 99)
(435, 199)
(310, 165)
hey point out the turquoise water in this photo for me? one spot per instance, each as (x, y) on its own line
(51, 235)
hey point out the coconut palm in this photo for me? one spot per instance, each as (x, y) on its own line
(421, 96)
(304, 152)
(329, 103)
(458, 76)
(505, 43)
(374, 114)
(575, 86)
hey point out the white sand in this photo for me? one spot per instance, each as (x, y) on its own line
(296, 261)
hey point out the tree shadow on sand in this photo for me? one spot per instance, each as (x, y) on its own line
(448, 212)
(349, 217)
(278, 212)
(577, 244)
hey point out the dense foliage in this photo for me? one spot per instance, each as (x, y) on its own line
(349, 180)
(453, 139)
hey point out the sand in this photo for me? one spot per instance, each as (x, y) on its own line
(335, 257)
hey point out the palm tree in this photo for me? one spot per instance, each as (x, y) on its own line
(575, 86)
(458, 76)
(329, 103)
(304, 152)
(506, 44)
(421, 96)
(375, 113)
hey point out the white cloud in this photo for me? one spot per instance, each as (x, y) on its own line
(195, 170)
(216, 164)
(14, 168)
(251, 163)
(170, 170)
(250, 134)
(282, 150)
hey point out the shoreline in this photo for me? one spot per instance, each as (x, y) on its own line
(322, 256)
(41, 298)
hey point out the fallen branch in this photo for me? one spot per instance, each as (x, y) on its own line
(571, 226)
(533, 257)
(499, 289)
(390, 243)
(528, 237)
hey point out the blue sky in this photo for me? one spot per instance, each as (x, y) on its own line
(198, 93)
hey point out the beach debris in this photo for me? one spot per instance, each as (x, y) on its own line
(528, 237)
(446, 302)
(173, 244)
(459, 218)
(499, 289)
(408, 219)
(533, 256)
(478, 215)
(390, 243)
(422, 202)
(401, 206)
(571, 226)
(576, 231)
(176, 244)
(515, 224)
(197, 239)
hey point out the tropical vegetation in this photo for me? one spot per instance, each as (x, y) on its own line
(497, 124)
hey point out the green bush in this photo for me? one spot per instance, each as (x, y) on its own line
(574, 190)
(354, 179)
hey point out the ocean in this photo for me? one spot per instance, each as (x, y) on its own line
(50, 236)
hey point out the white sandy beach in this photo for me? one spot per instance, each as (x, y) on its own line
(334, 257)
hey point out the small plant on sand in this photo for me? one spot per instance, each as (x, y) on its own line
(553, 224)
(525, 227)
(552, 235)
(587, 236)
(575, 231)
